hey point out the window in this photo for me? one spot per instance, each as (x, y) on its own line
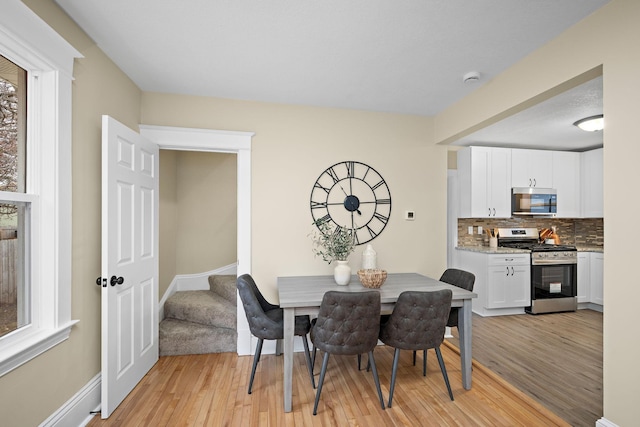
(36, 68)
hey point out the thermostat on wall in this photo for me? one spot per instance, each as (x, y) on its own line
(409, 215)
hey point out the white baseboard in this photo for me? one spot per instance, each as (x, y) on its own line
(77, 410)
(603, 422)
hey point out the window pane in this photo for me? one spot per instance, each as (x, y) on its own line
(14, 295)
(12, 126)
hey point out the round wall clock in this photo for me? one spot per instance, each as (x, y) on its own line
(352, 195)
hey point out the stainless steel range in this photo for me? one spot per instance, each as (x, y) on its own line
(553, 270)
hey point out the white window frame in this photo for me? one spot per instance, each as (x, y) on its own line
(30, 43)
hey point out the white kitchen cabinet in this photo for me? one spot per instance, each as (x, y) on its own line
(502, 281)
(592, 184)
(531, 168)
(596, 268)
(509, 279)
(584, 275)
(566, 180)
(484, 179)
(591, 279)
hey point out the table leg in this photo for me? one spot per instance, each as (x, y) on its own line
(464, 331)
(289, 323)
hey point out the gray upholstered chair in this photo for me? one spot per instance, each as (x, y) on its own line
(347, 324)
(461, 279)
(266, 322)
(417, 322)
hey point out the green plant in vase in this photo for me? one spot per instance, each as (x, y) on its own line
(332, 243)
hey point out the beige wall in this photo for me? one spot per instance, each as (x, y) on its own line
(207, 211)
(608, 38)
(198, 213)
(293, 145)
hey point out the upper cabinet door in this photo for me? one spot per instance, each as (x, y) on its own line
(484, 180)
(592, 185)
(566, 180)
(531, 168)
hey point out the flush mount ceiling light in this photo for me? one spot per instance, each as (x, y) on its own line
(471, 77)
(591, 124)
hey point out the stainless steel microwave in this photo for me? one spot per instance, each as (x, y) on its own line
(533, 201)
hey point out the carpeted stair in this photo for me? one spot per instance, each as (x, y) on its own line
(198, 322)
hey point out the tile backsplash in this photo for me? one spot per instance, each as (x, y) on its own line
(572, 231)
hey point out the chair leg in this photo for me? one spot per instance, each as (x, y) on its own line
(323, 371)
(313, 359)
(394, 370)
(414, 358)
(359, 360)
(307, 356)
(424, 363)
(444, 372)
(256, 359)
(376, 378)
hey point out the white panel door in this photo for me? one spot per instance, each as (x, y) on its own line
(129, 251)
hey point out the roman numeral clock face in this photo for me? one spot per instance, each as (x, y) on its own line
(352, 195)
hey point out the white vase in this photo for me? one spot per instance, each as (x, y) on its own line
(342, 272)
(369, 258)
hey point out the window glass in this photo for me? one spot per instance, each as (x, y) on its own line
(14, 215)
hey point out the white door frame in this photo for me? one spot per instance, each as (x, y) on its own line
(216, 141)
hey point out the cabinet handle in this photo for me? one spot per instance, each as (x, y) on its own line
(529, 182)
(534, 182)
(512, 271)
(507, 271)
(489, 211)
(494, 211)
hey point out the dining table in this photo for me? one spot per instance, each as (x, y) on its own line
(302, 295)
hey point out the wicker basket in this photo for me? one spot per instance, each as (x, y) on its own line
(372, 278)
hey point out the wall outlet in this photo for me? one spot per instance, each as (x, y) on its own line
(409, 215)
(470, 229)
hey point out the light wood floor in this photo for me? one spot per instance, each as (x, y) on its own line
(211, 390)
(554, 358)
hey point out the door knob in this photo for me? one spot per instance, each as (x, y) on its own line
(116, 280)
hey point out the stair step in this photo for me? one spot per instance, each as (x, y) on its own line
(224, 285)
(203, 307)
(179, 337)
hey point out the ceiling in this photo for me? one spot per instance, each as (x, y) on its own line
(547, 125)
(404, 57)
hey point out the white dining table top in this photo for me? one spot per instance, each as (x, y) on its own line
(308, 291)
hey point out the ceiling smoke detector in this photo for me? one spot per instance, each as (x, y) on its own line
(471, 77)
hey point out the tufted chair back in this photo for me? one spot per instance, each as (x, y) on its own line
(348, 322)
(265, 319)
(418, 320)
(462, 279)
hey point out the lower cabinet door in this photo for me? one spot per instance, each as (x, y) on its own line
(508, 286)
